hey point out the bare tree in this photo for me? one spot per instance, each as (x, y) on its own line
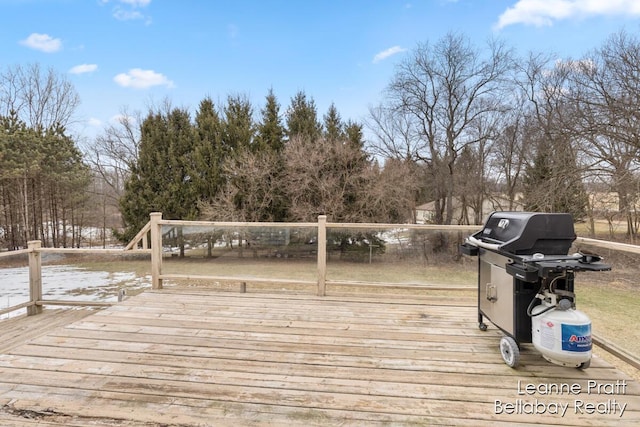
(553, 178)
(606, 93)
(113, 152)
(325, 177)
(251, 189)
(41, 99)
(394, 190)
(445, 91)
(395, 135)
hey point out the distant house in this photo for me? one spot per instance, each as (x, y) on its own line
(426, 213)
(604, 203)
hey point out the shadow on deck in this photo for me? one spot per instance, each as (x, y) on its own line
(190, 357)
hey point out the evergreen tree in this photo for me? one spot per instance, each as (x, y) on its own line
(333, 126)
(302, 118)
(181, 197)
(552, 182)
(270, 139)
(238, 123)
(353, 134)
(65, 180)
(21, 159)
(43, 185)
(160, 180)
(270, 132)
(209, 153)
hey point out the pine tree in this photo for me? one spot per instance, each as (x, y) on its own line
(302, 118)
(270, 139)
(209, 153)
(64, 181)
(160, 180)
(333, 126)
(43, 185)
(238, 123)
(353, 133)
(181, 197)
(270, 132)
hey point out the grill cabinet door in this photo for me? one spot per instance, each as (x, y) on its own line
(496, 294)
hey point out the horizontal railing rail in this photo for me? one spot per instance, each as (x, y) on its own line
(604, 244)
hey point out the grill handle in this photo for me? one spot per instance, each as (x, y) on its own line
(479, 243)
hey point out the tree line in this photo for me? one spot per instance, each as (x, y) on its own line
(459, 125)
(543, 132)
(224, 165)
(43, 176)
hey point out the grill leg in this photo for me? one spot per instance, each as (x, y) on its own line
(481, 325)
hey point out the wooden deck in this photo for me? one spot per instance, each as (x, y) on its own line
(186, 357)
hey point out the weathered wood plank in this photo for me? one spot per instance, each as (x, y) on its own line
(457, 368)
(192, 357)
(20, 329)
(230, 382)
(506, 379)
(383, 299)
(205, 412)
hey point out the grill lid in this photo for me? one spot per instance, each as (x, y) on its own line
(526, 233)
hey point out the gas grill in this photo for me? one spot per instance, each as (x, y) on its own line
(526, 285)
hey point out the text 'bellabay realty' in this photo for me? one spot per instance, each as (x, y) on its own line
(608, 405)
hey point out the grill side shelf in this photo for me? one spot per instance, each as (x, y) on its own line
(468, 249)
(549, 268)
(530, 271)
(524, 272)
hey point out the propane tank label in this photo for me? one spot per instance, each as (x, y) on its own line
(547, 335)
(576, 337)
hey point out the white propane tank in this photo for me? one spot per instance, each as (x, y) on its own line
(562, 335)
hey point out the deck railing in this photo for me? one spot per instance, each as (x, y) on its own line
(151, 240)
(321, 228)
(34, 251)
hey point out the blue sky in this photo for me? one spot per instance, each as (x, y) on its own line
(135, 53)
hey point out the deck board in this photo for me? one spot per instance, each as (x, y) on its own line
(189, 357)
(16, 330)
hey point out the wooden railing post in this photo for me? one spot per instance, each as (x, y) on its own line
(322, 255)
(35, 277)
(156, 250)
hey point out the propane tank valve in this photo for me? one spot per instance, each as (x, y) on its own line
(564, 304)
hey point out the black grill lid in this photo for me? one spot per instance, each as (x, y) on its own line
(526, 233)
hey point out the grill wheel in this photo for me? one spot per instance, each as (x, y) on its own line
(510, 351)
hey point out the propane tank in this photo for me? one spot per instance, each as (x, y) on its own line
(561, 333)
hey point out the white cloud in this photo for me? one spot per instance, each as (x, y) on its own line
(545, 12)
(136, 3)
(380, 56)
(127, 15)
(142, 79)
(128, 10)
(42, 42)
(132, 3)
(122, 119)
(83, 68)
(95, 123)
